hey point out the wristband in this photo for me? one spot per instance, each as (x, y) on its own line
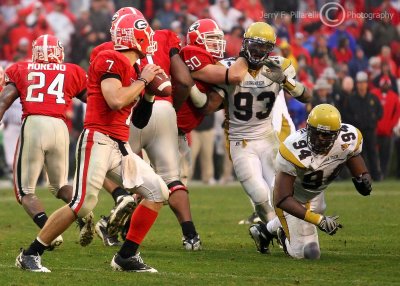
(144, 81)
(313, 217)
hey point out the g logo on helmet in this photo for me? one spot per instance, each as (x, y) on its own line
(140, 24)
(115, 17)
(194, 26)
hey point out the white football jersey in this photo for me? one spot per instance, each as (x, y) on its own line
(281, 120)
(315, 172)
(250, 103)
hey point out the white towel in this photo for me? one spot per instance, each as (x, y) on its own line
(130, 172)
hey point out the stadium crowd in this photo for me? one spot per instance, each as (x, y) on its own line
(354, 66)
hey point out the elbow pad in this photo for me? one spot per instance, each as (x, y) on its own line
(142, 113)
(363, 184)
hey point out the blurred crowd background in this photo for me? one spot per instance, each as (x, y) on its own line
(354, 66)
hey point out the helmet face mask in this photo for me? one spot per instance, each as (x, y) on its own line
(215, 44)
(132, 32)
(319, 141)
(323, 128)
(257, 50)
(47, 49)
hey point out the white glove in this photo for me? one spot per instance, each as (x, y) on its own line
(329, 224)
(273, 71)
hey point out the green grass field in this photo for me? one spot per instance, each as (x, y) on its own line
(365, 252)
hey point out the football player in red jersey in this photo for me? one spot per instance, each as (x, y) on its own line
(205, 45)
(113, 91)
(159, 135)
(45, 87)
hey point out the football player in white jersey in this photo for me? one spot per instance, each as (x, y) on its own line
(308, 161)
(283, 126)
(253, 143)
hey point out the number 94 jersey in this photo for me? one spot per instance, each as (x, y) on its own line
(315, 172)
(250, 103)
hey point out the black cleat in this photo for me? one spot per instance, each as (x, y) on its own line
(101, 231)
(86, 229)
(193, 243)
(253, 218)
(261, 236)
(30, 262)
(134, 264)
(282, 239)
(120, 214)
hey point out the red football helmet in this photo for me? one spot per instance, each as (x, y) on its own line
(207, 34)
(125, 11)
(47, 49)
(133, 32)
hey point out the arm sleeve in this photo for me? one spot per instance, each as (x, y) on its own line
(142, 113)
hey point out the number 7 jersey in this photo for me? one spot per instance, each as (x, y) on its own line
(46, 88)
(315, 172)
(250, 103)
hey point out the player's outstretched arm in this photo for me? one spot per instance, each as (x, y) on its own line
(182, 80)
(118, 96)
(218, 74)
(283, 199)
(361, 178)
(7, 96)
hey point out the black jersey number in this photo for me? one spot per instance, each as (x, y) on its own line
(243, 102)
(314, 180)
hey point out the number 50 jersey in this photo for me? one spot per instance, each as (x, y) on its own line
(315, 172)
(250, 103)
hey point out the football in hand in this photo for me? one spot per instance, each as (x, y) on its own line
(160, 85)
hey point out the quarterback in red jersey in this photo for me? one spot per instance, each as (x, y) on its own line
(45, 87)
(160, 134)
(113, 90)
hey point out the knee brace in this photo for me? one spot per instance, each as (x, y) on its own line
(176, 186)
(311, 251)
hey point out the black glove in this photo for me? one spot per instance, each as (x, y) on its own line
(363, 184)
(329, 224)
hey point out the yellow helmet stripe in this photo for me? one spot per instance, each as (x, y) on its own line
(359, 139)
(284, 151)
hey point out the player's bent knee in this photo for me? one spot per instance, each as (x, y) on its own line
(312, 251)
(88, 205)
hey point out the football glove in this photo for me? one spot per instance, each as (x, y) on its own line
(329, 224)
(363, 184)
(273, 71)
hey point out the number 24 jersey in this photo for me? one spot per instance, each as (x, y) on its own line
(46, 89)
(315, 172)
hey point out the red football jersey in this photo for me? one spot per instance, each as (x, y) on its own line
(166, 40)
(46, 89)
(99, 116)
(102, 47)
(196, 58)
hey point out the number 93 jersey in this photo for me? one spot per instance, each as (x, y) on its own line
(250, 103)
(315, 172)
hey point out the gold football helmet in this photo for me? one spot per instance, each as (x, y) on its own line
(323, 127)
(259, 40)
